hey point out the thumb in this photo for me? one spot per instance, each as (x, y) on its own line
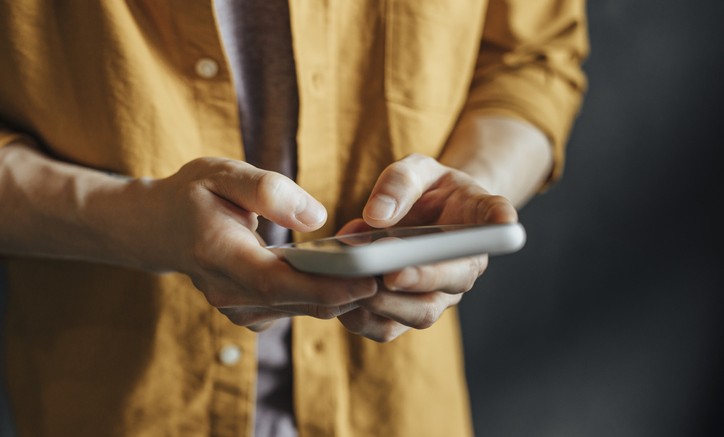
(271, 195)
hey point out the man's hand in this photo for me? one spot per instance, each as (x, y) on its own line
(212, 206)
(418, 190)
(200, 221)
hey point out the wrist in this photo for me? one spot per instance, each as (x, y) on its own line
(122, 216)
(506, 156)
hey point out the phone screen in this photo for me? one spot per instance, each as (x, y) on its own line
(365, 238)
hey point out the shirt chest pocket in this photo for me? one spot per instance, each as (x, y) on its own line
(430, 51)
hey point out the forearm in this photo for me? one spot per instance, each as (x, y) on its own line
(198, 221)
(529, 68)
(58, 210)
(506, 156)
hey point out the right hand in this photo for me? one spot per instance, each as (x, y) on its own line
(203, 220)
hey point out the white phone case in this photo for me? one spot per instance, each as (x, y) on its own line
(347, 256)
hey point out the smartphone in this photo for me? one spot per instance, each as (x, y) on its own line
(387, 250)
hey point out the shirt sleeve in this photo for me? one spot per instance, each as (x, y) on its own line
(530, 66)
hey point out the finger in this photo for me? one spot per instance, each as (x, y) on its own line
(367, 324)
(262, 326)
(259, 319)
(457, 276)
(457, 198)
(232, 269)
(256, 319)
(398, 188)
(280, 285)
(268, 194)
(490, 209)
(257, 277)
(419, 311)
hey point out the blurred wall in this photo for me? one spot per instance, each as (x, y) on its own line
(609, 322)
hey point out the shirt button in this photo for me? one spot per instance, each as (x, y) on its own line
(207, 68)
(229, 355)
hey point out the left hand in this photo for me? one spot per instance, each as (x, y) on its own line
(418, 190)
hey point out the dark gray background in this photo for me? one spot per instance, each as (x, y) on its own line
(609, 322)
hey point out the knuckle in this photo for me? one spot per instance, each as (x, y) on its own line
(423, 162)
(478, 265)
(469, 284)
(418, 158)
(473, 273)
(268, 186)
(403, 173)
(482, 264)
(221, 166)
(324, 313)
(428, 316)
(203, 256)
(356, 321)
(207, 167)
(387, 332)
(196, 164)
(384, 336)
(239, 318)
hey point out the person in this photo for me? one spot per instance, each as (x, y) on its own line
(143, 144)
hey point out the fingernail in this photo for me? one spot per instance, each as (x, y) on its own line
(310, 213)
(381, 207)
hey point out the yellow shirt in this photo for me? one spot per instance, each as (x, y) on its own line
(142, 87)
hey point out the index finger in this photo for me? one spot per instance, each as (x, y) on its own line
(399, 186)
(451, 277)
